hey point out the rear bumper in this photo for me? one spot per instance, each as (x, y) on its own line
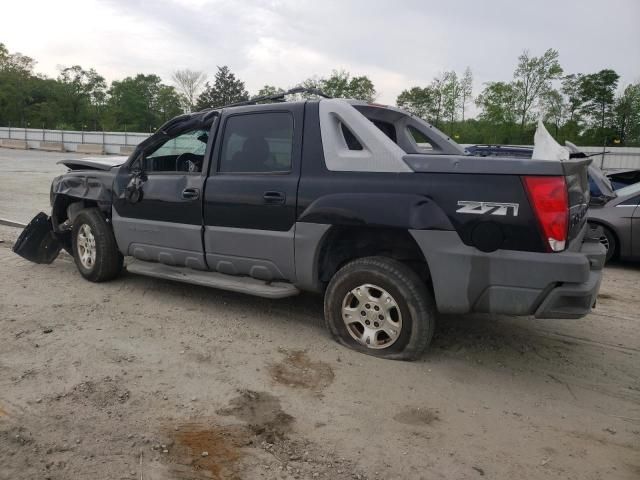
(547, 285)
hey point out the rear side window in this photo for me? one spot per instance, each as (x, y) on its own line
(257, 143)
(631, 201)
(420, 138)
(349, 138)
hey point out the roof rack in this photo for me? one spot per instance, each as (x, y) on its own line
(277, 97)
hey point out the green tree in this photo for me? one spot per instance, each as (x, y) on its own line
(497, 103)
(44, 109)
(627, 115)
(83, 94)
(269, 90)
(16, 71)
(429, 103)
(340, 84)
(571, 89)
(436, 107)
(554, 108)
(225, 90)
(532, 79)
(141, 103)
(417, 100)
(466, 89)
(597, 91)
(168, 103)
(573, 102)
(451, 96)
(361, 88)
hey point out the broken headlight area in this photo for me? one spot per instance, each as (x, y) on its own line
(37, 242)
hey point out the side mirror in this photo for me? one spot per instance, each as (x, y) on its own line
(133, 191)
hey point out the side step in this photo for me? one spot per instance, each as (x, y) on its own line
(248, 285)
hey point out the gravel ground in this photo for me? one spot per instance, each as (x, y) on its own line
(143, 378)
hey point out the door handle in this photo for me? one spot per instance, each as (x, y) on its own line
(190, 193)
(274, 198)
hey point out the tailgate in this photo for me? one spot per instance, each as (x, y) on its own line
(577, 178)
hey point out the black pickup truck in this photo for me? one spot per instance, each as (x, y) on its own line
(366, 204)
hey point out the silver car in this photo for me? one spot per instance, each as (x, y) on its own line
(619, 215)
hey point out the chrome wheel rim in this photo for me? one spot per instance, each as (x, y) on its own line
(372, 316)
(86, 246)
(605, 241)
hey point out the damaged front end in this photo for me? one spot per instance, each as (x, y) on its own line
(38, 243)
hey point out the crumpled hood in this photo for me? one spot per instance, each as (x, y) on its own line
(94, 163)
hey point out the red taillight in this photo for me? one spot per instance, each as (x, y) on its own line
(548, 196)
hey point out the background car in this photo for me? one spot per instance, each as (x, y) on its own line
(621, 177)
(500, 151)
(619, 218)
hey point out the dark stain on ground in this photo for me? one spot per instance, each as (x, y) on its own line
(261, 412)
(208, 451)
(605, 296)
(297, 370)
(417, 416)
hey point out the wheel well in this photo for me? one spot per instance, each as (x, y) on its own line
(59, 212)
(343, 244)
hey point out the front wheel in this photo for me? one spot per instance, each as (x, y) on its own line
(381, 307)
(94, 247)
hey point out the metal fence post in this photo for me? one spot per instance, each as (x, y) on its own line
(9, 130)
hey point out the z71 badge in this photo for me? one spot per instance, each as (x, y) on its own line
(487, 208)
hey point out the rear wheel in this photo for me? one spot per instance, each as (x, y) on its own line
(379, 306)
(94, 247)
(608, 240)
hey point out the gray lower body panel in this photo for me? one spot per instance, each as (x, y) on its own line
(263, 254)
(246, 285)
(519, 283)
(177, 244)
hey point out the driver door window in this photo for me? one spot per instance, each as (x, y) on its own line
(184, 153)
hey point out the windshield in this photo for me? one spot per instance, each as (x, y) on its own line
(630, 190)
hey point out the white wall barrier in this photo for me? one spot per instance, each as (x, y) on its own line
(66, 140)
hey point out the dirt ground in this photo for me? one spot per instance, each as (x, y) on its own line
(144, 378)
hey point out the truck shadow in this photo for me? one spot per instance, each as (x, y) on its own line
(514, 343)
(567, 352)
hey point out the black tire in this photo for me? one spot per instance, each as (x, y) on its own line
(611, 245)
(412, 296)
(108, 259)
(608, 239)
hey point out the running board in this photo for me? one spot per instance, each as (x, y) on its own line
(248, 285)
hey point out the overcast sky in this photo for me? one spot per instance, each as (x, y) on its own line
(398, 43)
